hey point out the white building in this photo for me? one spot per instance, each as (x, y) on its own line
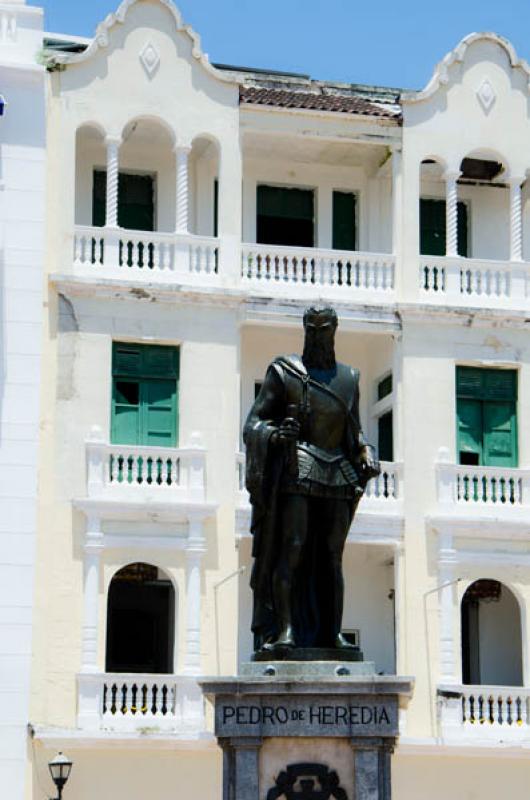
(193, 211)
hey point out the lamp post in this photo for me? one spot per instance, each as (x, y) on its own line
(60, 768)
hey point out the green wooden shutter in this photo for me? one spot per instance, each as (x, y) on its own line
(500, 440)
(99, 198)
(344, 232)
(158, 417)
(386, 436)
(432, 228)
(487, 416)
(145, 395)
(469, 413)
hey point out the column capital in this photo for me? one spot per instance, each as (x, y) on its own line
(183, 148)
(515, 180)
(111, 140)
(451, 175)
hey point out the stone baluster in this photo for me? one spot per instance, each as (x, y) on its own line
(516, 219)
(194, 552)
(451, 213)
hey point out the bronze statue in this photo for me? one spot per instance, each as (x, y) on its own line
(307, 467)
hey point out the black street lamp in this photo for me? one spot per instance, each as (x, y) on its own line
(60, 768)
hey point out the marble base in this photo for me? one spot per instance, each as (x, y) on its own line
(309, 654)
(280, 733)
(299, 670)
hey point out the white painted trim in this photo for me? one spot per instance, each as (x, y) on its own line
(440, 76)
(102, 39)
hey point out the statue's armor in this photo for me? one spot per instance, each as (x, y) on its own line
(324, 412)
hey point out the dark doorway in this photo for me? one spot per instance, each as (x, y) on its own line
(136, 204)
(140, 621)
(491, 635)
(285, 216)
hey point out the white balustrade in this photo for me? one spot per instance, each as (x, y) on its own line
(472, 281)
(470, 486)
(133, 471)
(382, 491)
(387, 486)
(140, 702)
(279, 268)
(484, 712)
(116, 252)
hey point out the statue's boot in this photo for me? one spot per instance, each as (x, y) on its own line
(285, 639)
(343, 644)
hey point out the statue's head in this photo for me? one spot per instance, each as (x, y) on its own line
(320, 324)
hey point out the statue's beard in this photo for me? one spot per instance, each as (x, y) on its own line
(318, 353)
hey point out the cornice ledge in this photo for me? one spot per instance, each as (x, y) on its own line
(478, 526)
(144, 291)
(467, 316)
(440, 75)
(101, 40)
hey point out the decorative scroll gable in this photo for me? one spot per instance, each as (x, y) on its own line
(101, 39)
(445, 70)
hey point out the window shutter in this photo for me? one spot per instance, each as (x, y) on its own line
(145, 395)
(344, 233)
(469, 422)
(500, 439)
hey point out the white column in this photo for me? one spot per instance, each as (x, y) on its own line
(446, 564)
(397, 206)
(451, 213)
(516, 220)
(182, 203)
(194, 552)
(399, 631)
(93, 549)
(113, 164)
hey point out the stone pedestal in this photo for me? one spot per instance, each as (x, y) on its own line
(326, 736)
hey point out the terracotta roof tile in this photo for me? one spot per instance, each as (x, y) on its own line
(339, 103)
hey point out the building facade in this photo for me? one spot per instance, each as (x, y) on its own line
(192, 212)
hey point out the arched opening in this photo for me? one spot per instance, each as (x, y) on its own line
(204, 186)
(433, 211)
(483, 189)
(146, 191)
(491, 635)
(140, 621)
(90, 156)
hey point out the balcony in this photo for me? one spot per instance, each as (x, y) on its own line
(483, 714)
(380, 514)
(140, 256)
(132, 481)
(304, 272)
(474, 282)
(472, 491)
(144, 704)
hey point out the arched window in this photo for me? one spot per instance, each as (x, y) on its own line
(491, 635)
(140, 621)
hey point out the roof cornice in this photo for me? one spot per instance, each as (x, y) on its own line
(440, 75)
(101, 40)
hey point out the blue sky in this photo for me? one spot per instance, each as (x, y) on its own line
(385, 42)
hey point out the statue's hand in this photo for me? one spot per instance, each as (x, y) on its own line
(369, 463)
(288, 431)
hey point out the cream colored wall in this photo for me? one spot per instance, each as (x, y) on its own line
(78, 381)
(428, 415)
(157, 774)
(415, 777)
